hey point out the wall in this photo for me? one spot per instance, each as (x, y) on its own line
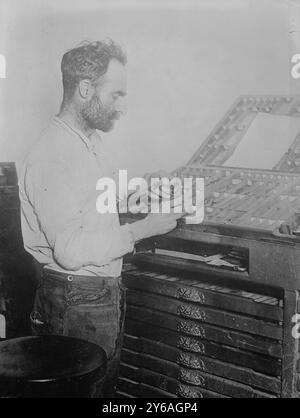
(187, 63)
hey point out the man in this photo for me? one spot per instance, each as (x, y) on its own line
(77, 250)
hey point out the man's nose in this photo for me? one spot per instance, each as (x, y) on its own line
(121, 105)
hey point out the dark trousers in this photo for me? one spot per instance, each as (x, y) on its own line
(87, 307)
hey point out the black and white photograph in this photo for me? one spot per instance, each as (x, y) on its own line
(149, 201)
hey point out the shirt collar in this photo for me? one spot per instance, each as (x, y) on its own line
(89, 142)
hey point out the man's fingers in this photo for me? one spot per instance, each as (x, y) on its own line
(160, 173)
(179, 215)
(175, 216)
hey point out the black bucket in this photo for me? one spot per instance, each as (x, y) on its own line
(51, 366)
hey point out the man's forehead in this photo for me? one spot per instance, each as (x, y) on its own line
(115, 74)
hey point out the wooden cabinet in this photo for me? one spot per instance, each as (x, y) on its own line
(212, 309)
(17, 287)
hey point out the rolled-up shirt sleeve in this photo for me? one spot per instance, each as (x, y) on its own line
(77, 234)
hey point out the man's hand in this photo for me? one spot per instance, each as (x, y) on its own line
(156, 175)
(155, 224)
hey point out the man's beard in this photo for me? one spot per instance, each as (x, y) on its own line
(98, 116)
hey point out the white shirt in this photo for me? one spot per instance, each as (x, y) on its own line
(60, 224)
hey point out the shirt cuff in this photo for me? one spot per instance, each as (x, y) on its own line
(129, 237)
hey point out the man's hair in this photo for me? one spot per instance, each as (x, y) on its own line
(88, 61)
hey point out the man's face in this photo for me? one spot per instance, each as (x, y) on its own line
(108, 100)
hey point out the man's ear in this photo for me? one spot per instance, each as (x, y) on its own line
(86, 89)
